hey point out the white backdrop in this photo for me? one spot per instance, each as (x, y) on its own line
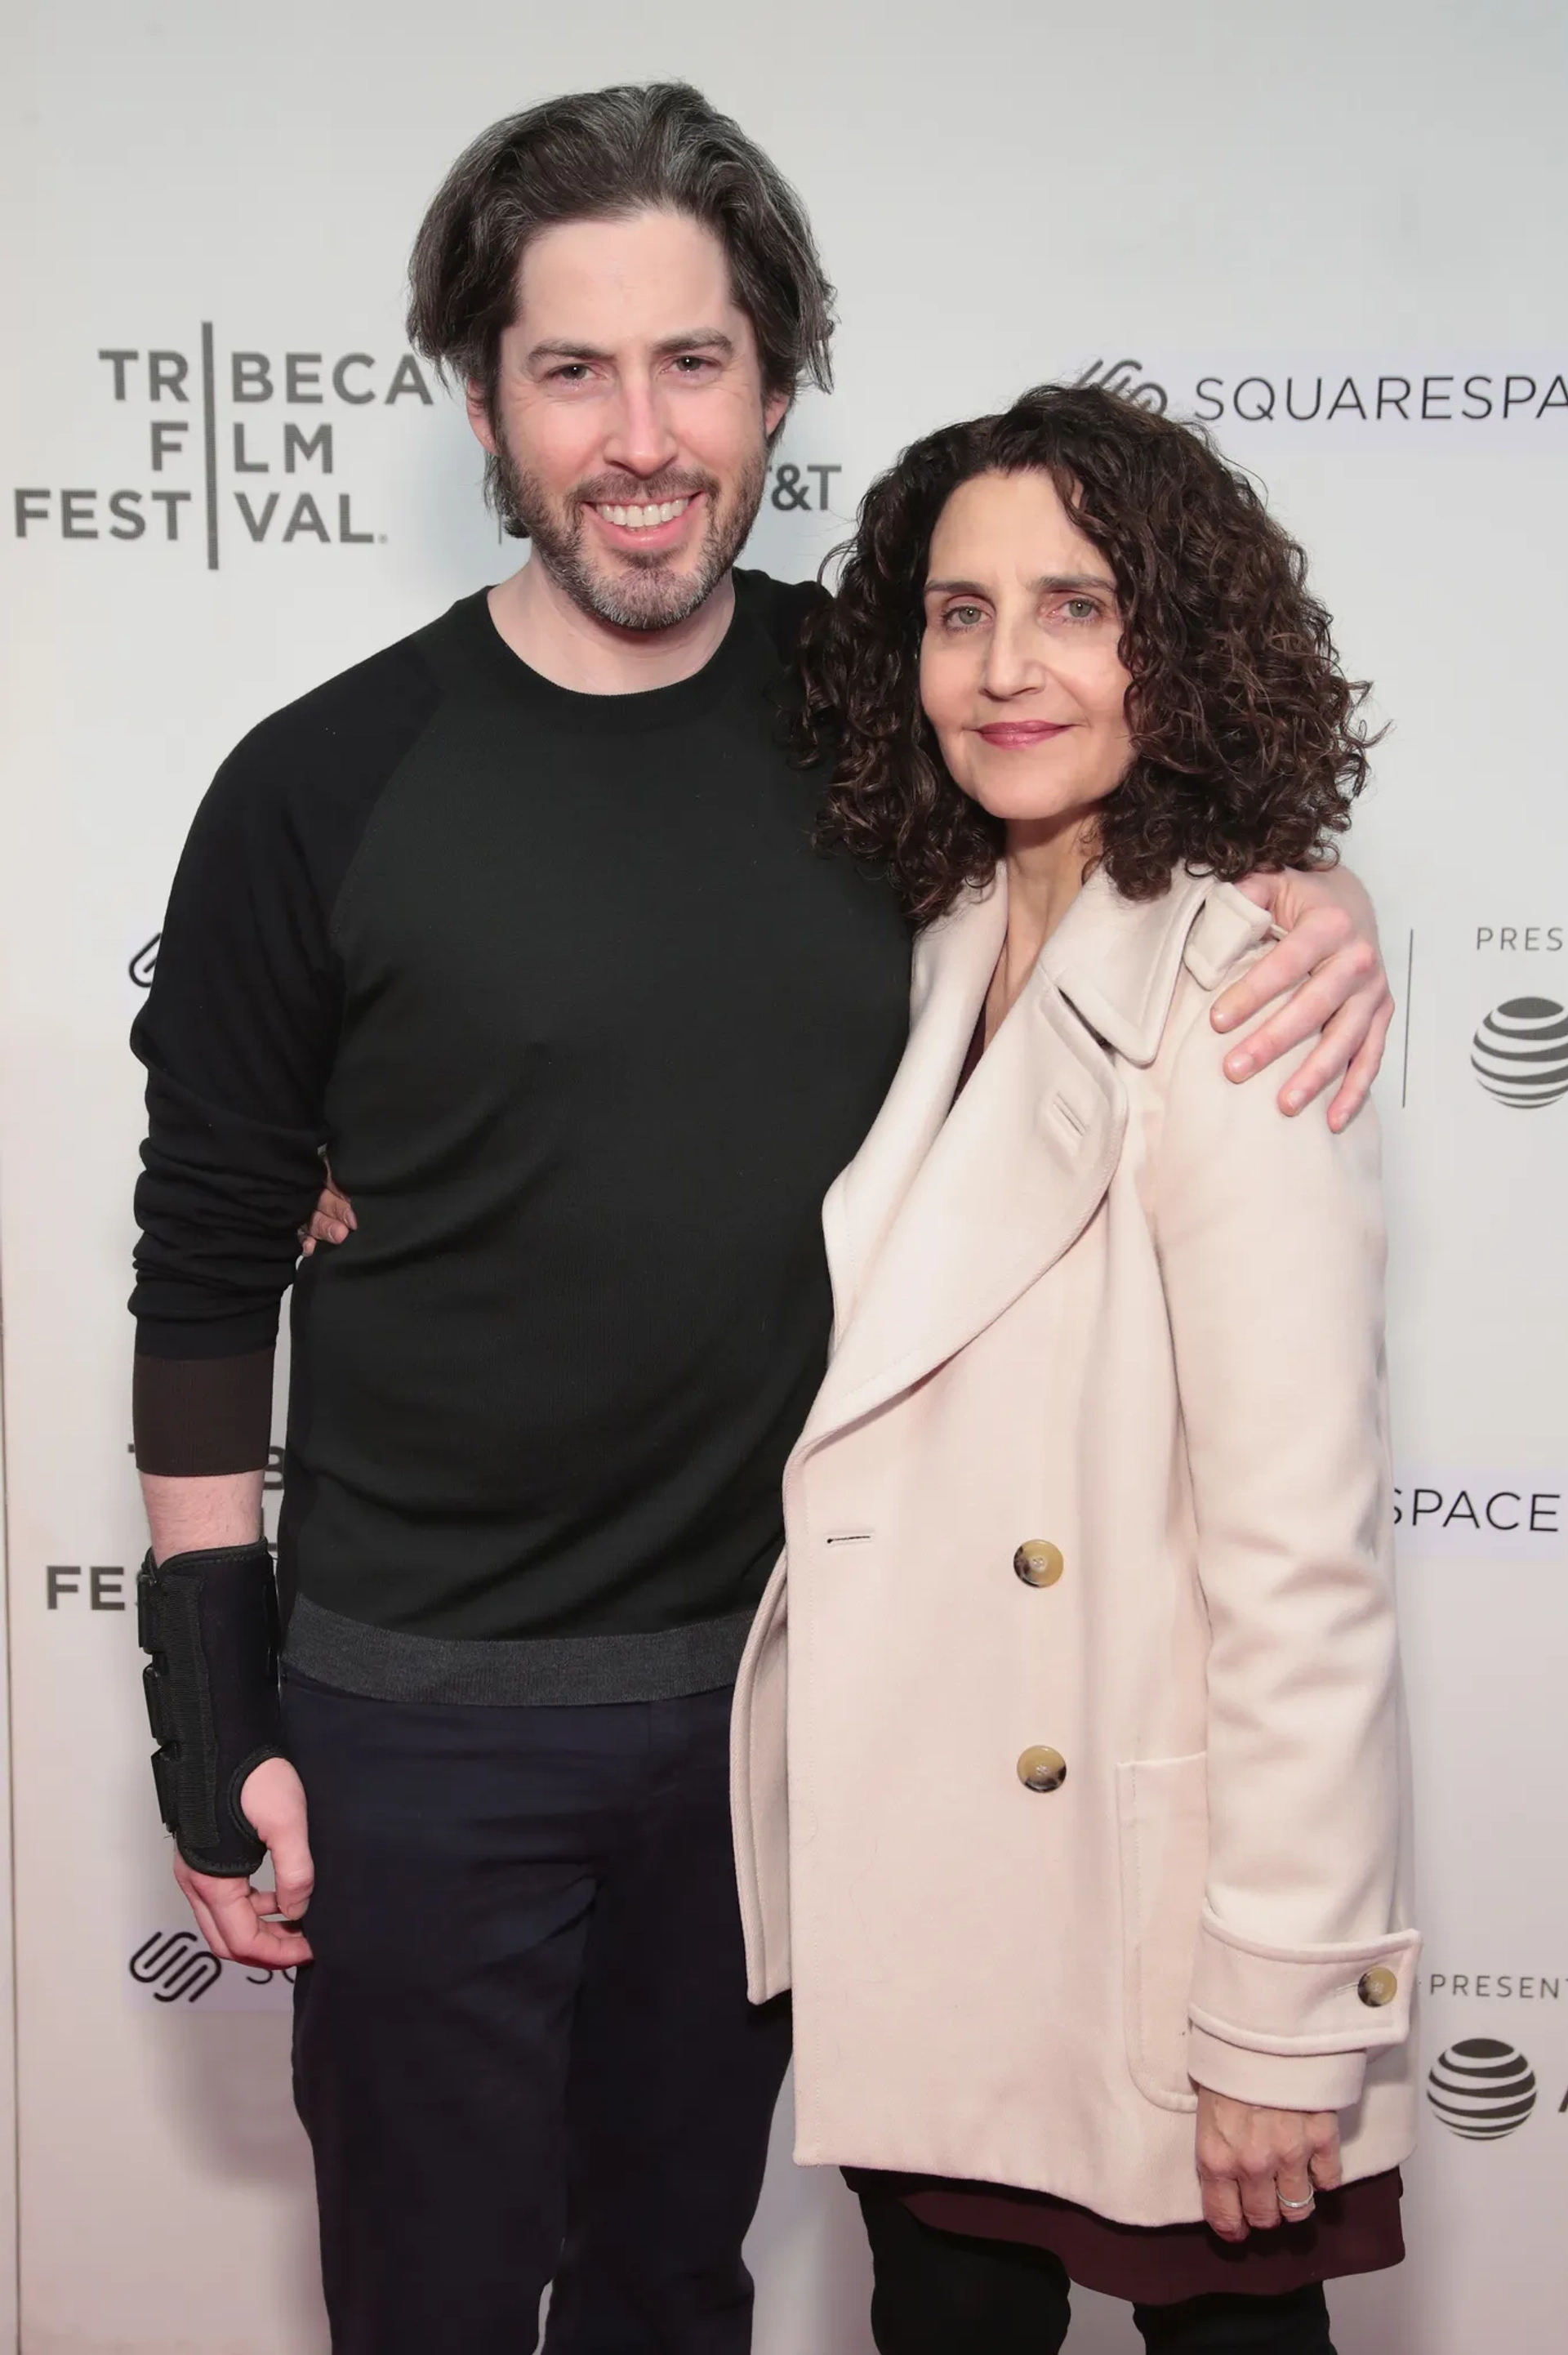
(1249, 207)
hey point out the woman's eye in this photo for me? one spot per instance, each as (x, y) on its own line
(963, 617)
(1081, 608)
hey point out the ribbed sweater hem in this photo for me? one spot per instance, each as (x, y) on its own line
(390, 1663)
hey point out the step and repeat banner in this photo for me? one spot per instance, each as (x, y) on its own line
(1334, 236)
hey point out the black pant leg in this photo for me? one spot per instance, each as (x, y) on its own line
(1224, 2324)
(955, 2293)
(457, 1855)
(674, 2074)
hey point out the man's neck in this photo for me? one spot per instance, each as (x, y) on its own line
(554, 636)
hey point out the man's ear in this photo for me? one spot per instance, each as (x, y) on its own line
(478, 409)
(775, 409)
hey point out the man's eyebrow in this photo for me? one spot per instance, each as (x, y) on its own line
(701, 339)
(565, 351)
(1058, 583)
(704, 340)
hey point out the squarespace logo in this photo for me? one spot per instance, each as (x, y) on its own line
(1127, 377)
(1325, 400)
(242, 448)
(174, 1966)
(176, 1969)
(1485, 1515)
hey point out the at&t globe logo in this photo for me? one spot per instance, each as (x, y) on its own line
(1519, 1054)
(1481, 2089)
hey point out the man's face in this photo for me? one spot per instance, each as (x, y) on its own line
(629, 426)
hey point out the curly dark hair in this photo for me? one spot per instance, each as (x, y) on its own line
(1247, 748)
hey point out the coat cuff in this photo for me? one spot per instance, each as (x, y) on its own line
(1299, 2001)
(1276, 2081)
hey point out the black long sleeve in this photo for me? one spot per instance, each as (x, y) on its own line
(238, 1036)
(587, 1027)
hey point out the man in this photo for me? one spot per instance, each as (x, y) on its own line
(520, 919)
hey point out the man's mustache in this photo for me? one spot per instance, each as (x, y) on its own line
(641, 490)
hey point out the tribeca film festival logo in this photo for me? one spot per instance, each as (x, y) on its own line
(234, 449)
(177, 1967)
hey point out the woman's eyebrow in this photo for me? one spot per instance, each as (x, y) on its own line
(1057, 583)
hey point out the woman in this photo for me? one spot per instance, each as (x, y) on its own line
(1089, 1880)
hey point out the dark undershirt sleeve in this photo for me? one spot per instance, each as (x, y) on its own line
(195, 1416)
(238, 1036)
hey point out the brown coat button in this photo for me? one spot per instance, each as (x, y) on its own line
(1378, 1986)
(1043, 1770)
(1038, 1562)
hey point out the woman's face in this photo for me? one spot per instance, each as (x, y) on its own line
(1020, 674)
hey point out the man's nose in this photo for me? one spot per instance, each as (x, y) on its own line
(640, 438)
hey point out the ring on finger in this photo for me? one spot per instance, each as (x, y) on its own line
(1297, 2206)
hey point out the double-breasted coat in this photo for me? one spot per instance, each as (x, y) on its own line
(1068, 1755)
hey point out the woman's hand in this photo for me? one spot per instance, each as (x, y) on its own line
(1330, 958)
(1262, 2168)
(332, 1221)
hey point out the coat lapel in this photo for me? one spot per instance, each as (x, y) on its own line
(950, 1212)
(953, 964)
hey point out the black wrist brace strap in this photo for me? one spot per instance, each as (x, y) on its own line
(211, 1622)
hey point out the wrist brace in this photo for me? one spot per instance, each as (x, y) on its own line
(210, 1621)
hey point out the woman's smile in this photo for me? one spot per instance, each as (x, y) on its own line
(1016, 734)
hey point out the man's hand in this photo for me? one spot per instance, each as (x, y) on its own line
(332, 1221)
(1330, 958)
(1260, 2169)
(229, 1913)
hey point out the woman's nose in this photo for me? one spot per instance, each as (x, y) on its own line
(1015, 662)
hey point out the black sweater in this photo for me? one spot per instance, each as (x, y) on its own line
(587, 1027)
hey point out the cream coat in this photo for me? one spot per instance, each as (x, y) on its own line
(1116, 1302)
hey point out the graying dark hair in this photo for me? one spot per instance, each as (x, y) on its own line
(595, 155)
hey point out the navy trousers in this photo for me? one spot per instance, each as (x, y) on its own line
(524, 2051)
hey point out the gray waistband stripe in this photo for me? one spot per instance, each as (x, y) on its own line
(388, 1664)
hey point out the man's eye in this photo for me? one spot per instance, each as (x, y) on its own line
(569, 372)
(692, 363)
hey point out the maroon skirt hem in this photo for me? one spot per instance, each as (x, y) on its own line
(1355, 2230)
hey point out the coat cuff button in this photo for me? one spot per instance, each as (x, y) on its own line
(1377, 1987)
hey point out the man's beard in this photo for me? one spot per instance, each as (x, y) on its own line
(643, 593)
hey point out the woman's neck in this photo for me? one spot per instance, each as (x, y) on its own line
(1044, 875)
